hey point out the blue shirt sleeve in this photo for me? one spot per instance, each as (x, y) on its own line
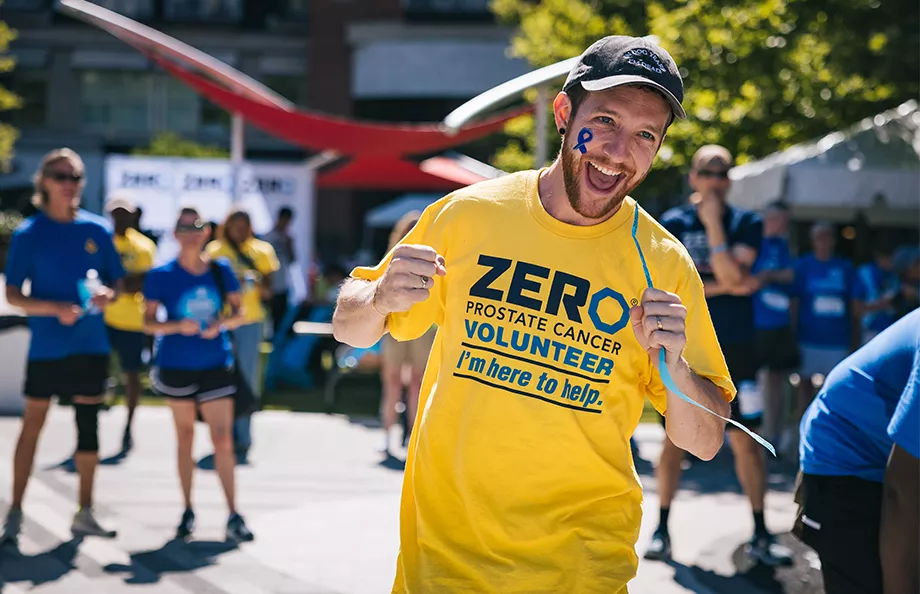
(672, 221)
(18, 259)
(857, 289)
(153, 284)
(904, 428)
(114, 270)
(750, 232)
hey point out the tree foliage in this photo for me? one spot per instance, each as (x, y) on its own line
(170, 144)
(759, 75)
(8, 100)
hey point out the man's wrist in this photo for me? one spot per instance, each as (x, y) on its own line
(375, 302)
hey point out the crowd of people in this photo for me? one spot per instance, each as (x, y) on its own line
(524, 323)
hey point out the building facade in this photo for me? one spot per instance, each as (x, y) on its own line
(406, 60)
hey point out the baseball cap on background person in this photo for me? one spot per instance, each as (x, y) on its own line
(120, 201)
(623, 60)
(709, 154)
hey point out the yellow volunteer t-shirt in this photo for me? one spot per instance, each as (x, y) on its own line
(137, 253)
(262, 262)
(520, 477)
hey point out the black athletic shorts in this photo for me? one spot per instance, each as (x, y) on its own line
(741, 360)
(840, 517)
(77, 375)
(129, 346)
(199, 385)
(778, 349)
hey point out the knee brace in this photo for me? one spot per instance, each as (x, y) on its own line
(87, 416)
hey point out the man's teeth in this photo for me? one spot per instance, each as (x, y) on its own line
(604, 170)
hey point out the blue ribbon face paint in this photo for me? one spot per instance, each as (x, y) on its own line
(584, 137)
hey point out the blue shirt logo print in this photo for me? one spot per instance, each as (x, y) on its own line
(200, 304)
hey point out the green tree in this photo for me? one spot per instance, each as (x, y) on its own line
(170, 144)
(8, 100)
(759, 75)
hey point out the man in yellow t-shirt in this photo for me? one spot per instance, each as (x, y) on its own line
(519, 477)
(125, 317)
(254, 261)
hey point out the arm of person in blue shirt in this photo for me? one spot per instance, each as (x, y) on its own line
(19, 264)
(899, 536)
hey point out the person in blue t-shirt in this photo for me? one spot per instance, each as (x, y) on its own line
(777, 347)
(859, 450)
(827, 309)
(879, 283)
(193, 364)
(68, 258)
(723, 242)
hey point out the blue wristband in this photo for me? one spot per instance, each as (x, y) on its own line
(718, 249)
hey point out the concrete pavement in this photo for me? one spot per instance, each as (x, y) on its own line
(323, 504)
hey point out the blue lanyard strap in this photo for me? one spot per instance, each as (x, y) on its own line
(663, 369)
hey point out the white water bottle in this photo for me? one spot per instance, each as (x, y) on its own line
(89, 286)
(750, 399)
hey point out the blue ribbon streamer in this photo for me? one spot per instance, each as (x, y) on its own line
(663, 369)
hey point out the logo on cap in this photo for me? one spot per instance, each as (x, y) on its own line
(644, 58)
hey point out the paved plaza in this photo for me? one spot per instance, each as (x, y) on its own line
(323, 503)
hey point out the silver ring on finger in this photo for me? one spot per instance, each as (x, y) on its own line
(424, 281)
(660, 327)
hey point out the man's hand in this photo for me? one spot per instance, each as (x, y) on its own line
(659, 321)
(103, 297)
(189, 327)
(212, 331)
(709, 210)
(68, 313)
(748, 286)
(408, 278)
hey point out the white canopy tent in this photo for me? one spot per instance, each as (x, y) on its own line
(872, 167)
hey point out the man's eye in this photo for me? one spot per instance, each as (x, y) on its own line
(604, 119)
(647, 135)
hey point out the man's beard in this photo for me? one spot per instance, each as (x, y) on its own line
(571, 175)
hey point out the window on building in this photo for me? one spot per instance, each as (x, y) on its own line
(290, 87)
(215, 120)
(31, 86)
(439, 10)
(204, 11)
(115, 101)
(135, 9)
(25, 5)
(181, 106)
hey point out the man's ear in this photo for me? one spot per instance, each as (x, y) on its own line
(562, 109)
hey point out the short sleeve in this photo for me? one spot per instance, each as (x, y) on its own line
(703, 352)
(231, 283)
(114, 270)
(18, 259)
(146, 255)
(266, 259)
(904, 428)
(432, 230)
(858, 290)
(672, 221)
(153, 286)
(750, 232)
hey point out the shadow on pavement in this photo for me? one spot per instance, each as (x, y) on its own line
(39, 569)
(393, 463)
(148, 567)
(718, 475)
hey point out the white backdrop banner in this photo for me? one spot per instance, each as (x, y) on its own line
(163, 185)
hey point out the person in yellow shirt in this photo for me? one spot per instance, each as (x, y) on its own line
(125, 317)
(254, 261)
(519, 476)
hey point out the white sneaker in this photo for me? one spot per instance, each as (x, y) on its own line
(84, 523)
(12, 527)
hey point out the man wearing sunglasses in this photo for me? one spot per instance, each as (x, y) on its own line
(723, 242)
